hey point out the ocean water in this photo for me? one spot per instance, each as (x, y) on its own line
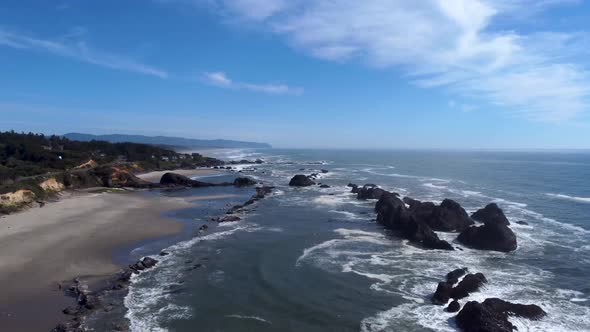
(312, 259)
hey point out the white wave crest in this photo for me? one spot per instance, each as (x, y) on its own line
(570, 198)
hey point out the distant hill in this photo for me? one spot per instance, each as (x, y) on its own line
(178, 142)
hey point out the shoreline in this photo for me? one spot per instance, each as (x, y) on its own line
(77, 236)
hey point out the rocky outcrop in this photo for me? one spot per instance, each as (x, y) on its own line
(368, 192)
(52, 185)
(244, 182)
(454, 306)
(393, 214)
(491, 214)
(88, 301)
(173, 179)
(530, 311)
(492, 315)
(447, 217)
(469, 284)
(476, 317)
(143, 264)
(453, 276)
(301, 181)
(490, 236)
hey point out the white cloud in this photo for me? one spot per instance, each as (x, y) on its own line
(450, 44)
(70, 46)
(221, 80)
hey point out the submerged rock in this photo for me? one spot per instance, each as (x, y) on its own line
(491, 214)
(301, 181)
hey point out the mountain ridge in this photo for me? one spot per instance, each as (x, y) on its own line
(179, 142)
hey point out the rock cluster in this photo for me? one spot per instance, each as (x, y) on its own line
(393, 214)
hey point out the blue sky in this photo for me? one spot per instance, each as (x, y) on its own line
(302, 73)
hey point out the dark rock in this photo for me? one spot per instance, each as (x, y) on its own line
(259, 161)
(143, 264)
(491, 214)
(324, 186)
(454, 306)
(393, 214)
(149, 262)
(120, 327)
(229, 218)
(301, 181)
(164, 253)
(492, 315)
(244, 182)
(412, 203)
(71, 310)
(324, 171)
(369, 193)
(442, 294)
(355, 189)
(261, 192)
(351, 185)
(476, 317)
(470, 284)
(203, 227)
(125, 276)
(453, 276)
(530, 311)
(490, 236)
(446, 217)
(522, 222)
(173, 179)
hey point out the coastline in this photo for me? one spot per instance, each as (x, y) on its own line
(43, 248)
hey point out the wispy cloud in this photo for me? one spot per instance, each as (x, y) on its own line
(220, 79)
(71, 46)
(448, 44)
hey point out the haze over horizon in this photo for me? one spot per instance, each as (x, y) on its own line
(480, 74)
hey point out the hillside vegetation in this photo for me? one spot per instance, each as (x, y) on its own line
(34, 167)
(24, 155)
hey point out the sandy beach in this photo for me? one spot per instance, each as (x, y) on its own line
(76, 236)
(155, 176)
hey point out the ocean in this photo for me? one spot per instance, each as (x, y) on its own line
(313, 259)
